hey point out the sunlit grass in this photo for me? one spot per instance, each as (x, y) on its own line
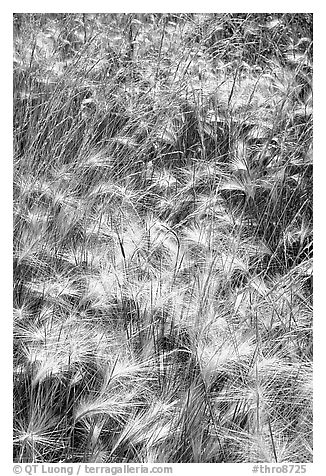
(163, 238)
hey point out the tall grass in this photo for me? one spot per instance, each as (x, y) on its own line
(163, 238)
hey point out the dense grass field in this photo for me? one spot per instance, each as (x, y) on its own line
(162, 238)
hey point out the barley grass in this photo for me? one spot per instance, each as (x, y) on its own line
(162, 238)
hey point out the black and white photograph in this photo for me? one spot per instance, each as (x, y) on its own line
(162, 239)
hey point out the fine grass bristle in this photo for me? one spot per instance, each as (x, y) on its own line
(163, 238)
